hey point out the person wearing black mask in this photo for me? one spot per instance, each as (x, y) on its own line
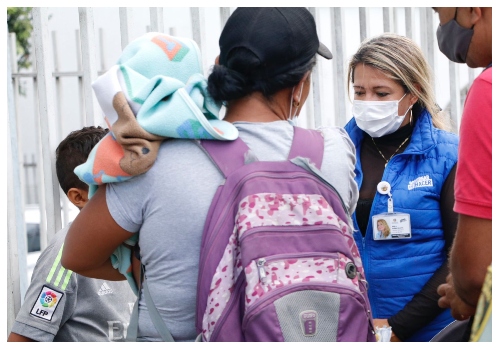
(465, 36)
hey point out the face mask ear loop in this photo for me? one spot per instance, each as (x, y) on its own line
(291, 102)
(409, 108)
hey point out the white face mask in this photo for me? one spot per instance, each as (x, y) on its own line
(293, 119)
(378, 118)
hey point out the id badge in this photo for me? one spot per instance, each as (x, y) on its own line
(391, 226)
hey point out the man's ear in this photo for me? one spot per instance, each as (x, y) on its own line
(475, 15)
(78, 197)
(217, 60)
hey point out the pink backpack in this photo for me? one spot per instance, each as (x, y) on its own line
(278, 261)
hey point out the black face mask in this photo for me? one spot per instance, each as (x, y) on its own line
(454, 40)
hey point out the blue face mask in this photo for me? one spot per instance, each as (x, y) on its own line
(454, 40)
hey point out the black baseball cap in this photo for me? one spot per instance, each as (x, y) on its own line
(280, 38)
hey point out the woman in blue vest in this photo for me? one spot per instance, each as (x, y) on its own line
(405, 172)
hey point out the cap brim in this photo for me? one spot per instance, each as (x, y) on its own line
(324, 51)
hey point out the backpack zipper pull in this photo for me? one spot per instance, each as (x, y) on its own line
(260, 268)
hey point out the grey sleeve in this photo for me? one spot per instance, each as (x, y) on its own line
(339, 162)
(123, 199)
(58, 285)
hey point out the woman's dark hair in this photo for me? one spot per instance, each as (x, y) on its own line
(245, 77)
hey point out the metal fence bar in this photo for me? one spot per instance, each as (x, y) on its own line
(338, 45)
(455, 103)
(55, 56)
(124, 30)
(431, 35)
(102, 49)
(47, 109)
(17, 281)
(314, 118)
(409, 24)
(225, 12)
(16, 86)
(89, 62)
(394, 13)
(388, 19)
(198, 25)
(427, 34)
(39, 171)
(35, 182)
(364, 23)
(80, 77)
(156, 14)
(62, 195)
(26, 167)
(471, 75)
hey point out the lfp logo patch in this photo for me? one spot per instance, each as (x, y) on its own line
(46, 304)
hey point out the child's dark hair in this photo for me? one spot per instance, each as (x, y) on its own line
(249, 75)
(73, 151)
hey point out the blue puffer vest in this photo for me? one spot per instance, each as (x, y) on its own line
(398, 269)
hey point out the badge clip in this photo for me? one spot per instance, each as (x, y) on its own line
(384, 187)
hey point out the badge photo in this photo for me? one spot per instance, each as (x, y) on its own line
(46, 303)
(388, 226)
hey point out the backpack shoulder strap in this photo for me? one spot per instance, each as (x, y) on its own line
(158, 322)
(229, 156)
(308, 144)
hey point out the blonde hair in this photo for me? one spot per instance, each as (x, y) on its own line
(386, 229)
(400, 59)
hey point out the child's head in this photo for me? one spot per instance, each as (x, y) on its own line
(71, 152)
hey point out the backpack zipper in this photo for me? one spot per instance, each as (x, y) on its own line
(291, 228)
(261, 262)
(261, 269)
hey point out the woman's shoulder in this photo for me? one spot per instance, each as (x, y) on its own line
(338, 135)
(446, 136)
(446, 144)
(333, 131)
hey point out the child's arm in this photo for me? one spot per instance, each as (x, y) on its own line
(92, 238)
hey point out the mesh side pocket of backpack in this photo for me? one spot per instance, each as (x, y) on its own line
(323, 308)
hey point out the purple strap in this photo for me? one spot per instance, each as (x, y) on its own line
(227, 155)
(308, 144)
(230, 155)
